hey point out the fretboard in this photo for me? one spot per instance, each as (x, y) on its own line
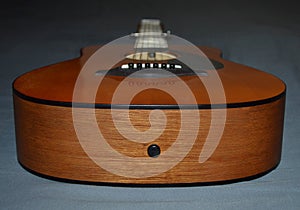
(150, 35)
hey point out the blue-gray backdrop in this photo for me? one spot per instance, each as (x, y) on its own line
(261, 34)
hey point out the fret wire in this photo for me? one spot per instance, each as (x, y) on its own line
(149, 36)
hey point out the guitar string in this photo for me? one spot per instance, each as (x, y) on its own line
(150, 36)
(148, 25)
(135, 47)
(159, 40)
(152, 39)
(141, 40)
(147, 42)
(138, 42)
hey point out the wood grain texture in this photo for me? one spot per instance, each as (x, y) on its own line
(47, 143)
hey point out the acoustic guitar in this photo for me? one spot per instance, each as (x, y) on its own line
(149, 108)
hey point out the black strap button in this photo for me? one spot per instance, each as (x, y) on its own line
(153, 150)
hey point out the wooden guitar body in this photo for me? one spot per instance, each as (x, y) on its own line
(48, 144)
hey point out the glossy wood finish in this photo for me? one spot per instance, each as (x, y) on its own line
(56, 82)
(250, 145)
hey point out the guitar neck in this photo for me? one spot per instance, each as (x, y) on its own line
(150, 35)
(150, 25)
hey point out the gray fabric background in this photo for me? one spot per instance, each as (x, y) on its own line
(265, 35)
